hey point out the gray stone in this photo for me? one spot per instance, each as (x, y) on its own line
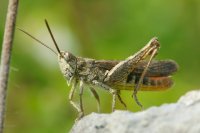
(180, 117)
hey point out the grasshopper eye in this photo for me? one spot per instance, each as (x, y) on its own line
(66, 55)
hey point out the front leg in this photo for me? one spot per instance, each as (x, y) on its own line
(71, 94)
(81, 111)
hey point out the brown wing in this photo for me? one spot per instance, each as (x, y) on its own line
(157, 76)
(156, 68)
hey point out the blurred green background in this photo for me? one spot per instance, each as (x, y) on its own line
(37, 99)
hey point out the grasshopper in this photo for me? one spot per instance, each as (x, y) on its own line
(137, 72)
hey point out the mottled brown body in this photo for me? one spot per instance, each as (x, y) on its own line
(156, 78)
(137, 72)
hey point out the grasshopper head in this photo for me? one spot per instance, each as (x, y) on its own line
(67, 62)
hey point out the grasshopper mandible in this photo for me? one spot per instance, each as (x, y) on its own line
(134, 73)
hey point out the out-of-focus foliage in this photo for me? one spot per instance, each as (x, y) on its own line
(37, 98)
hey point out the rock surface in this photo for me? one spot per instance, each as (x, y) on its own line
(180, 117)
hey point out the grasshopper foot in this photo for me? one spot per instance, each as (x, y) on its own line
(80, 115)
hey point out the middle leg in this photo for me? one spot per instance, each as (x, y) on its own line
(96, 97)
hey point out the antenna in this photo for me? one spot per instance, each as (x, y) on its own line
(52, 37)
(37, 40)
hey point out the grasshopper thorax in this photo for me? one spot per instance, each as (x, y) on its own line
(68, 63)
